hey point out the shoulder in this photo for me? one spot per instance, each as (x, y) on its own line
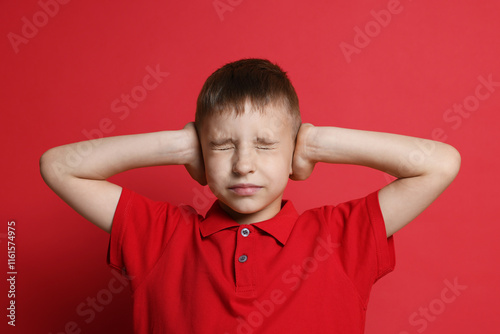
(350, 216)
(133, 205)
(357, 207)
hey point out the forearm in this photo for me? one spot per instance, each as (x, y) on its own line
(400, 156)
(102, 158)
(77, 172)
(423, 168)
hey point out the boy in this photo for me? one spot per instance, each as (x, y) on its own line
(253, 264)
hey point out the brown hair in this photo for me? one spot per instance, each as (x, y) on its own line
(257, 80)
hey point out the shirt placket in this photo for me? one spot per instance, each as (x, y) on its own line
(244, 259)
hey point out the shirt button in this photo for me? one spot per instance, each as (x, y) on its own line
(245, 232)
(243, 258)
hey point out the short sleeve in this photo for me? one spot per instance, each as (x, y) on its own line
(366, 253)
(141, 229)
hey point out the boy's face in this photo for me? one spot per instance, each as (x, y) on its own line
(248, 160)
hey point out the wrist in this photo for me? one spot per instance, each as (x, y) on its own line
(307, 142)
(189, 145)
(192, 157)
(303, 157)
(175, 147)
(324, 144)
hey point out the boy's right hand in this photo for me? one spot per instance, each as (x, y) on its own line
(195, 165)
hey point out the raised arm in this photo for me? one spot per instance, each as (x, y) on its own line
(423, 168)
(77, 172)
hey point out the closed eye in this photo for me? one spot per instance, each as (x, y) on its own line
(222, 148)
(222, 145)
(266, 147)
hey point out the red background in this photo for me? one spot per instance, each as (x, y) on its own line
(63, 80)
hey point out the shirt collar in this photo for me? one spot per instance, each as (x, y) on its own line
(279, 227)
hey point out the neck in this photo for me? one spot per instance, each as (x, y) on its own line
(266, 213)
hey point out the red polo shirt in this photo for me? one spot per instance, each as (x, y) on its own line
(307, 273)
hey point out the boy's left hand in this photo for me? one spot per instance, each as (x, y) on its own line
(302, 164)
(195, 165)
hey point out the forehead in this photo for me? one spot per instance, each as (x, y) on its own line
(271, 122)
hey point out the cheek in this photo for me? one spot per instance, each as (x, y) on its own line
(279, 165)
(215, 168)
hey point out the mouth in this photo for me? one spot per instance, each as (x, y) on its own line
(245, 189)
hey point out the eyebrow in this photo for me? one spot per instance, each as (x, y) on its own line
(220, 142)
(262, 140)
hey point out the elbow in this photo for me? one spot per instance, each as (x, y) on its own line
(44, 165)
(450, 162)
(50, 169)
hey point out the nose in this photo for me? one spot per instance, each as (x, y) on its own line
(244, 161)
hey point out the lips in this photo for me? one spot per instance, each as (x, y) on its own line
(245, 189)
